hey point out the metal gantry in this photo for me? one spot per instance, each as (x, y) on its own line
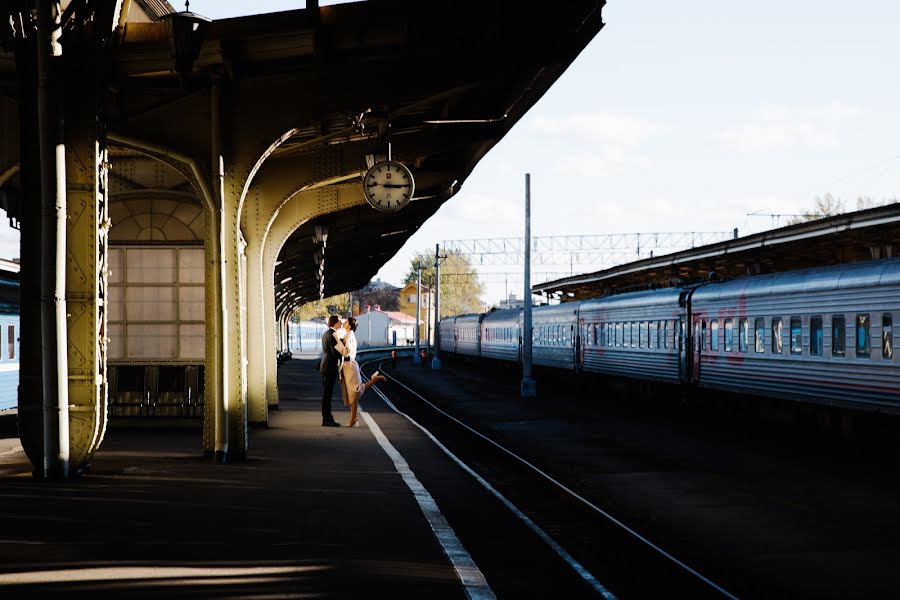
(580, 253)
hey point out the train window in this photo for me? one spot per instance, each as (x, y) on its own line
(887, 336)
(743, 335)
(665, 334)
(626, 335)
(702, 335)
(635, 334)
(777, 332)
(862, 336)
(652, 329)
(759, 325)
(729, 335)
(796, 335)
(714, 335)
(816, 336)
(11, 337)
(838, 335)
(640, 335)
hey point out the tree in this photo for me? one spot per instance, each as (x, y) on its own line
(824, 206)
(378, 293)
(320, 308)
(459, 295)
(829, 206)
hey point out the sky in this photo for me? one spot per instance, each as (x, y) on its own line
(686, 116)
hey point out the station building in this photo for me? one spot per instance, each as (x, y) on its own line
(183, 184)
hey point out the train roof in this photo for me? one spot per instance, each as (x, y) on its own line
(506, 314)
(840, 277)
(557, 309)
(469, 317)
(664, 296)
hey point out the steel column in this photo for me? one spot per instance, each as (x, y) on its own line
(529, 386)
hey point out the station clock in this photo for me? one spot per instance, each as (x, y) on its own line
(388, 186)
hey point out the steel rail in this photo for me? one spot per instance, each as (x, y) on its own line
(612, 519)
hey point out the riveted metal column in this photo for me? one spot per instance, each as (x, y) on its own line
(56, 455)
(257, 287)
(86, 276)
(270, 326)
(231, 337)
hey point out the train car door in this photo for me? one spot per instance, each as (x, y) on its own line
(698, 341)
(684, 356)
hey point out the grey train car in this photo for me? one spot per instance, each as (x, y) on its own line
(447, 335)
(634, 335)
(821, 335)
(467, 332)
(501, 335)
(555, 336)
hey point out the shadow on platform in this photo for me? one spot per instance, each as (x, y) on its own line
(313, 512)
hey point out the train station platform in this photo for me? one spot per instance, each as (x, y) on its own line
(313, 512)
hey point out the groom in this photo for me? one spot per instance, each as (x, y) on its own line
(329, 370)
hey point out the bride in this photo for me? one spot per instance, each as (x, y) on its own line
(352, 386)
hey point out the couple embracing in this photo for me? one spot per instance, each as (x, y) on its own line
(339, 362)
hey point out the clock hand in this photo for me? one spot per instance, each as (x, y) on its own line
(392, 185)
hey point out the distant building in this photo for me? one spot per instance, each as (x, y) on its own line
(511, 301)
(376, 327)
(408, 307)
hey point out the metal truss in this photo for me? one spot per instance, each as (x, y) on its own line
(594, 250)
(491, 277)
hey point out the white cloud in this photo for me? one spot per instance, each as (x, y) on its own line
(607, 162)
(777, 128)
(602, 126)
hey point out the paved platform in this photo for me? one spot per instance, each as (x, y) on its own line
(314, 512)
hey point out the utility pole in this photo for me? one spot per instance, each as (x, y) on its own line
(436, 359)
(428, 322)
(529, 386)
(416, 358)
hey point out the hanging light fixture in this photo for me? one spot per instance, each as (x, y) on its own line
(186, 31)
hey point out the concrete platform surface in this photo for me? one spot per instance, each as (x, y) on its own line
(313, 512)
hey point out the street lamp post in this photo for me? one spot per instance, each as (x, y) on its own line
(416, 358)
(436, 357)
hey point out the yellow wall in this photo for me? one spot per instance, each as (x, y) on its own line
(409, 308)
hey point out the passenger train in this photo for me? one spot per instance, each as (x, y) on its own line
(306, 336)
(821, 335)
(9, 339)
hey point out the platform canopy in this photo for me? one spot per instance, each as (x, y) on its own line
(852, 237)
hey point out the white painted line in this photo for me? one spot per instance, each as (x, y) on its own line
(560, 551)
(469, 574)
(569, 491)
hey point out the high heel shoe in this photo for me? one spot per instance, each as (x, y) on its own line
(354, 423)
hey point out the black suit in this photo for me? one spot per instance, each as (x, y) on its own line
(328, 367)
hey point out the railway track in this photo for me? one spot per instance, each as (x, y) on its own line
(598, 550)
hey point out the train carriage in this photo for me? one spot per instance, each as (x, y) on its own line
(633, 335)
(467, 330)
(447, 335)
(501, 333)
(821, 335)
(555, 336)
(9, 339)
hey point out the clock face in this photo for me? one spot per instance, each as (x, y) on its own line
(389, 186)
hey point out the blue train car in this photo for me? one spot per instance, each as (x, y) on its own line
(555, 337)
(501, 334)
(467, 330)
(9, 339)
(634, 335)
(306, 336)
(447, 335)
(821, 335)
